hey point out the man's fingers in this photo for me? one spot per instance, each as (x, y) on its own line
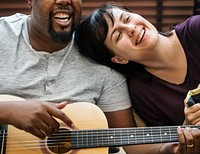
(48, 129)
(61, 105)
(181, 139)
(51, 123)
(38, 133)
(55, 112)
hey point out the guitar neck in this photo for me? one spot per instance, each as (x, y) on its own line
(124, 136)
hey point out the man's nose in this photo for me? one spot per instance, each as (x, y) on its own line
(63, 2)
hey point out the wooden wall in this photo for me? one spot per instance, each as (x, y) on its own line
(162, 13)
(197, 7)
(8, 7)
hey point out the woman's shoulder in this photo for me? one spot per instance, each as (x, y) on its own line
(191, 25)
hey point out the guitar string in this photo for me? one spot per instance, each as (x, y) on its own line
(132, 131)
(15, 145)
(103, 138)
(92, 132)
(100, 132)
(173, 137)
(32, 144)
(142, 130)
(36, 145)
(171, 134)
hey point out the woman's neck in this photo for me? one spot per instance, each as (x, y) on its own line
(169, 61)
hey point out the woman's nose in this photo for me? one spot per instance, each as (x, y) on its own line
(131, 28)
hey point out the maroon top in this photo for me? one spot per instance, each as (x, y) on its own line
(162, 103)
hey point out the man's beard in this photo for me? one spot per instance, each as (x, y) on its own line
(60, 37)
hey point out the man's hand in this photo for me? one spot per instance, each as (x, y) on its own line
(36, 117)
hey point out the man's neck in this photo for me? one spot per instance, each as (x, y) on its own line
(42, 42)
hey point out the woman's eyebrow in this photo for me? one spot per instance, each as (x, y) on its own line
(121, 16)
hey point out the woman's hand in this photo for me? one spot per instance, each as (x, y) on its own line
(192, 114)
(192, 107)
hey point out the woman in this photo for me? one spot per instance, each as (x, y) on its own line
(160, 67)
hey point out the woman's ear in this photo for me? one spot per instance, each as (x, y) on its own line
(119, 60)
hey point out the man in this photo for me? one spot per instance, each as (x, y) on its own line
(40, 63)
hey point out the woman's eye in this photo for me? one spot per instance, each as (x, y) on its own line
(127, 18)
(118, 36)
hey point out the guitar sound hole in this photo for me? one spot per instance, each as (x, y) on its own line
(60, 142)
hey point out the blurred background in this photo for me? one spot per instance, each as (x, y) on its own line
(164, 14)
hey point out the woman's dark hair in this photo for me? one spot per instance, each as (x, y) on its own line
(91, 34)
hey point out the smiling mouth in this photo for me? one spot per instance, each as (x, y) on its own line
(62, 17)
(140, 37)
(62, 20)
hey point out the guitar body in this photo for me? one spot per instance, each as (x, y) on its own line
(84, 115)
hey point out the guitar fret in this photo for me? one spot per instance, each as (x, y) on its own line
(124, 139)
(100, 141)
(133, 137)
(147, 135)
(106, 137)
(160, 134)
(170, 132)
(165, 134)
(138, 133)
(118, 139)
(129, 136)
(91, 138)
(151, 135)
(111, 137)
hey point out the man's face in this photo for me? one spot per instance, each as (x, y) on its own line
(57, 18)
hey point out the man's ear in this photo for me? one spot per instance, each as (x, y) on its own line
(119, 60)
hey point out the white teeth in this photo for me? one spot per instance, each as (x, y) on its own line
(140, 36)
(61, 16)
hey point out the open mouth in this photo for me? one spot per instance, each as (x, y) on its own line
(140, 37)
(62, 18)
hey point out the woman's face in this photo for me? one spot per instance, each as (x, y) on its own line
(131, 37)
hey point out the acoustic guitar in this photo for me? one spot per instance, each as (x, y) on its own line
(92, 135)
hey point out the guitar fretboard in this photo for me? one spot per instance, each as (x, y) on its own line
(124, 136)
